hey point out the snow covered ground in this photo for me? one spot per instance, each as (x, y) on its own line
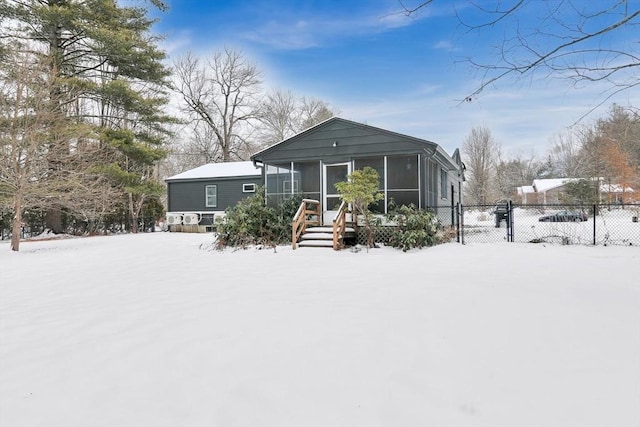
(155, 330)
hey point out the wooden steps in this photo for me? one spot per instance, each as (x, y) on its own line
(309, 212)
(321, 237)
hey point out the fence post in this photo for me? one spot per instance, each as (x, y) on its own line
(594, 224)
(457, 213)
(462, 224)
(453, 219)
(510, 225)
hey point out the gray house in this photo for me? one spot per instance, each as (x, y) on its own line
(194, 197)
(411, 170)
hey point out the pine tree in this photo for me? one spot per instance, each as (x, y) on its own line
(107, 82)
(361, 190)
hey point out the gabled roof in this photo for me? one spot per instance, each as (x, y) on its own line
(457, 158)
(304, 132)
(542, 185)
(430, 148)
(352, 123)
(219, 170)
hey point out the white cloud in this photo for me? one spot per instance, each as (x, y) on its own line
(445, 45)
(177, 42)
(286, 36)
(290, 33)
(522, 121)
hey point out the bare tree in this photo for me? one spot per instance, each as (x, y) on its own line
(314, 111)
(515, 172)
(480, 153)
(564, 156)
(24, 117)
(30, 125)
(279, 116)
(582, 41)
(221, 94)
(282, 115)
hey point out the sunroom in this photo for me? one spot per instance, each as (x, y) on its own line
(411, 170)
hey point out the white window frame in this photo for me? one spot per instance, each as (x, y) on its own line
(444, 183)
(207, 196)
(249, 188)
(286, 187)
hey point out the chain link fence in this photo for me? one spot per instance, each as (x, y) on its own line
(566, 224)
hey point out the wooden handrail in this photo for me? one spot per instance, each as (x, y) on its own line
(339, 226)
(301, 219)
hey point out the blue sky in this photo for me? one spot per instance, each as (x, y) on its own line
(405, 74)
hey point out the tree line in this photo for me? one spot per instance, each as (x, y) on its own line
(82, 122)
(606, 151)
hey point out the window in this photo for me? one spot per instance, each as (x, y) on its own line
(402, 180)
(402, 172)
(308, 173)
(248, 188)
(275, 176)
(286, 186)
(282, 180)
(443, 183)
(211, 196)
(377, 163)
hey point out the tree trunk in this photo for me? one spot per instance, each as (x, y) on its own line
(16, 226)
(134, 215)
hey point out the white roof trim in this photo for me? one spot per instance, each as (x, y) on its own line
(219, 170)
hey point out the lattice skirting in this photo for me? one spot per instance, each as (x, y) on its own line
(382, 235)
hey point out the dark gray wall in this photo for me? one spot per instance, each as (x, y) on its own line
(352, 140)
(189, 196)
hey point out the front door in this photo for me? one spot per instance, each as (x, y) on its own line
(333, 173)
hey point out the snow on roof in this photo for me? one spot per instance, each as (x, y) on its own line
(542, 185)
(614, 188)
(219, 170)
(526, 189)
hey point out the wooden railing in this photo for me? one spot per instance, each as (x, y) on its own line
(308, 210)
(339, 226)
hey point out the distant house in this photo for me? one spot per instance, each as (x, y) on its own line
(411, 170)
(616, 194)
(547, 191)
(194, 197)
(551, 191)
(527, 194)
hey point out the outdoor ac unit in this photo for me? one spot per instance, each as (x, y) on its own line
(174, 219)
(190, 219)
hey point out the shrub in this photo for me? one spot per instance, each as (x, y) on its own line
(251, 222)
(415, 228)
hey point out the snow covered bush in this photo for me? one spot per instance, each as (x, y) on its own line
(250, 222)
(415, 228)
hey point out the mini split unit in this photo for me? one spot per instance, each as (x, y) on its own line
(190, 219)
(174, 219)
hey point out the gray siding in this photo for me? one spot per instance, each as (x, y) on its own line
(189, 196)
(351, 140)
